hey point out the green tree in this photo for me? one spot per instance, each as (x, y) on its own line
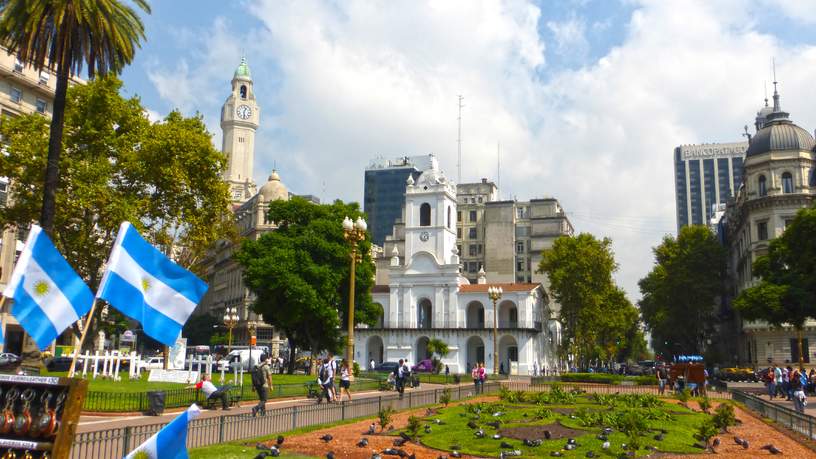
(786, 293)
(680, 294)
(200, 328)
(437, 346)
(66, 35)
(594, 312)
(163, 177)
(300, 274)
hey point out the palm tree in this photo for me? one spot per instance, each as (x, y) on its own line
(437, 346)
(65, 35)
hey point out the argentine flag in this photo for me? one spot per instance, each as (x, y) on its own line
(146, 286)
(48, 295)
(171, 441)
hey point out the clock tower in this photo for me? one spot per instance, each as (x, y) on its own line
(239, 120)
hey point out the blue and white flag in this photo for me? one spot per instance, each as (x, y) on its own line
(146, 286)
(171, 441)
(48, 295)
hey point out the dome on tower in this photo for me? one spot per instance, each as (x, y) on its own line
(779, 133)
(243, 70)
(274, 189)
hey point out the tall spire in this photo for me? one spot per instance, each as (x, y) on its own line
(776, 107)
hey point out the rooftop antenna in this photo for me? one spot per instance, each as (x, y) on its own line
(459, 144)
(776, 107)
(498, 169)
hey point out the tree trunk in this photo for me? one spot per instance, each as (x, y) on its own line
(291, 368)
(54, 150)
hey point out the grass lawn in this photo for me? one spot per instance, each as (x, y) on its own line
(235, 451)
(584, 414)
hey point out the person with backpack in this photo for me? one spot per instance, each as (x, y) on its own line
(325, 378)
(402, 373)
(262, 382)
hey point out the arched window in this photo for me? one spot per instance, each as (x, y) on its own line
(449, 217)
(425, 214)
(243, 92)
(812, 181)
(787, 183)
(763, 189)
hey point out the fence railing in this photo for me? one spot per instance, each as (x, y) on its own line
(798, 422)
(116, 443)
(118, 402)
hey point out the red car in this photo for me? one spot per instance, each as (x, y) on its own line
(424, 366)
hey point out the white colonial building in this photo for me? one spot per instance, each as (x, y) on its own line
(426, 297)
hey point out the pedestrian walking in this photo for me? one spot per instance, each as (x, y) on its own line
(477, 379)
(325, 378)
(401, 374)
(372, 365)
(770, 381)
(262, 383)
(662, 378)
(345, 380)
(482, 377)
(777, 380)
(797, 388)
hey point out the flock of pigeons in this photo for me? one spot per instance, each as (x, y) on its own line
(507, 449)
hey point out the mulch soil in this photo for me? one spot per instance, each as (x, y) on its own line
(345, 439)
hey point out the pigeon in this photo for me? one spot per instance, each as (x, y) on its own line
(479, 433)
(497, 414)
(571, 441)
(738, 440)
(569, 447)
(716, 442)
(602, 437)
(547, 434)
(504, 444)
(624, 445)
(330, 455)
(390, 452)
(262, 455)
(372, 428)
(607, 431)
(745, 444)
(327, 438)
(455, 454)
(362, 443)
(512, 453)
(497, 437)
(659, 437)
(279, 440)
(590, 454)
(494, 424)
(532, 443)
(774, 450)
(437, 421)
(556, 454)
(472, 425)
(274, 452)
(427, 428)
(399, 441)
(605, 445)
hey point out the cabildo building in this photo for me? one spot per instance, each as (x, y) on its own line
(426, 297)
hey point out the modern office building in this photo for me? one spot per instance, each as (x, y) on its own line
(384, 191)
(23, 90)
(705, 175)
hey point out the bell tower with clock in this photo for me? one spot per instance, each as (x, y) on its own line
(239, 121)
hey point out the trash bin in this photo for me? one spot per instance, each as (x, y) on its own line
(415, 381)
(155, 403)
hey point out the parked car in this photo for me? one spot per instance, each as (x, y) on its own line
(8, 359)
(424, 366)
(386, 367)
(240, 358)
(153, 363)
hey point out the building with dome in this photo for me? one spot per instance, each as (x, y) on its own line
(779, 179)
(426, 296)
(240, 118)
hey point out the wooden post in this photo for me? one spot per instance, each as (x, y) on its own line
(82, 338)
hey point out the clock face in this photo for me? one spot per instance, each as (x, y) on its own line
(424, 236)
(243, 112)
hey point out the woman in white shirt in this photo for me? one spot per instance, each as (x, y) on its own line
(345, 380)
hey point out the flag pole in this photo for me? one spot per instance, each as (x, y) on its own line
(82, 338)
(3, 322)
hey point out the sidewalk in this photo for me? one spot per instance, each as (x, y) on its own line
(761, 391)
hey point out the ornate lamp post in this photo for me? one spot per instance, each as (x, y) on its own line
(354, 232)
(495, 293)
(230, 321)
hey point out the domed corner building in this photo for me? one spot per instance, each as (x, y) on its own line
(779, 179)
(240, 118)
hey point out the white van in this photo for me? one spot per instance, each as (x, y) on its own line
(241, 358)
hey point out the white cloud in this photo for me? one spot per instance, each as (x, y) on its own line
(354, 80)
(570, 36)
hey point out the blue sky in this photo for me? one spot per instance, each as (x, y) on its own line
(588, 98)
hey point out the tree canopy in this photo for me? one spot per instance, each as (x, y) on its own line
(65, 35)
(597, 317)
(680, 294)
(163, 177)
(786, 292)
(299, 273)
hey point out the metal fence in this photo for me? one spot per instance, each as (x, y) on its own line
(116, 443)
(118, 402)
(797, 422)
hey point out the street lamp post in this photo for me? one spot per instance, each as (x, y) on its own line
(230, 321)
(495, 293)
(354, 232)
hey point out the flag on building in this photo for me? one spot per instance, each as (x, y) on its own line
(171, 440)
(48, 295)
(146, 286)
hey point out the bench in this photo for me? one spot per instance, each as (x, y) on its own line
(313, 390)
(233, 398)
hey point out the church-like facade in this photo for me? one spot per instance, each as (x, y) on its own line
(427, 297)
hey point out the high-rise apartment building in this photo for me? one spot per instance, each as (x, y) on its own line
(384, 191)
(705, 175)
